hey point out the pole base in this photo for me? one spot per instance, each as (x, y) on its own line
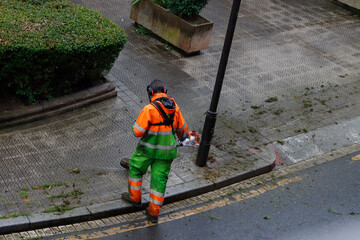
(208, 132)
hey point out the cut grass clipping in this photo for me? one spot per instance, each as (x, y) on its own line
(59, 208)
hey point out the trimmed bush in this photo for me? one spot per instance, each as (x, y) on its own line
(182, 7)
(186, 7)
(52, 47)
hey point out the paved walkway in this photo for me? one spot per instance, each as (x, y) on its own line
(294, 70)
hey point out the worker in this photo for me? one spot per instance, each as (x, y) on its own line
(156, 125)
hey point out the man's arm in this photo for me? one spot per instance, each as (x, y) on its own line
(141, 125)
(181, 124)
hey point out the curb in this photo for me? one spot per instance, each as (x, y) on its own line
(58, 105)
(109, 209)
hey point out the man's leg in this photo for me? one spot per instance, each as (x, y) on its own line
(160, 170)
(138, 166)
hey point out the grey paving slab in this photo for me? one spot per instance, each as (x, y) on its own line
(299, 148)
(319, 141)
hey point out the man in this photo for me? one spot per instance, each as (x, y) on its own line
(156, 124)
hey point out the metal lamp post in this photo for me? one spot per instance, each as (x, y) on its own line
(210, 120)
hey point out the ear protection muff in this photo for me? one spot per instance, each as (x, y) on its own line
(150, 91)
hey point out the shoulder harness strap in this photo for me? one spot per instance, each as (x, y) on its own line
(168, 118)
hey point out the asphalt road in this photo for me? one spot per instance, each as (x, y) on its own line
(321, 203)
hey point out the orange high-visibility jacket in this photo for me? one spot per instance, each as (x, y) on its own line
(158, 142)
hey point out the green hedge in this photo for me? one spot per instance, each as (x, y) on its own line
(52, 47)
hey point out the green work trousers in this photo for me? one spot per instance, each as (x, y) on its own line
(160, 170)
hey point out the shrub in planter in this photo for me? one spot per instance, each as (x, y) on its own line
(175, 21)
(182, 8)
(185, 7)
(52, 47)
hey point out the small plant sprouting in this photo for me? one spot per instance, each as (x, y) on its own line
(273, 180)
(134, 2)
(168, 47)
(85, 179)
(24, 193)
(142, 30)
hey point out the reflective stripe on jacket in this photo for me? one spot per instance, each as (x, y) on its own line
(158, 142)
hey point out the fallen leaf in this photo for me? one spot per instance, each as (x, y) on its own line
(356, 158)
(330, 210)
(271, 99)
(211, 159)
(266, 217)
(75, 170)
(214, 218)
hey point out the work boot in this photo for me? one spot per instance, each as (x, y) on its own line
(125, 163)
(150, 217)
(125, 196)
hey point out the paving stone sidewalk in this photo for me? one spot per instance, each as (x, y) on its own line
(294, 69)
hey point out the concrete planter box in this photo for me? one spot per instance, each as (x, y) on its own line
(352, 3)
(175, 30)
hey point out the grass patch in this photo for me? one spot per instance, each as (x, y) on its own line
(73, 194)
(14, 215)
(8, 203)
(271, 99)
(59, 208)
(48, 186)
